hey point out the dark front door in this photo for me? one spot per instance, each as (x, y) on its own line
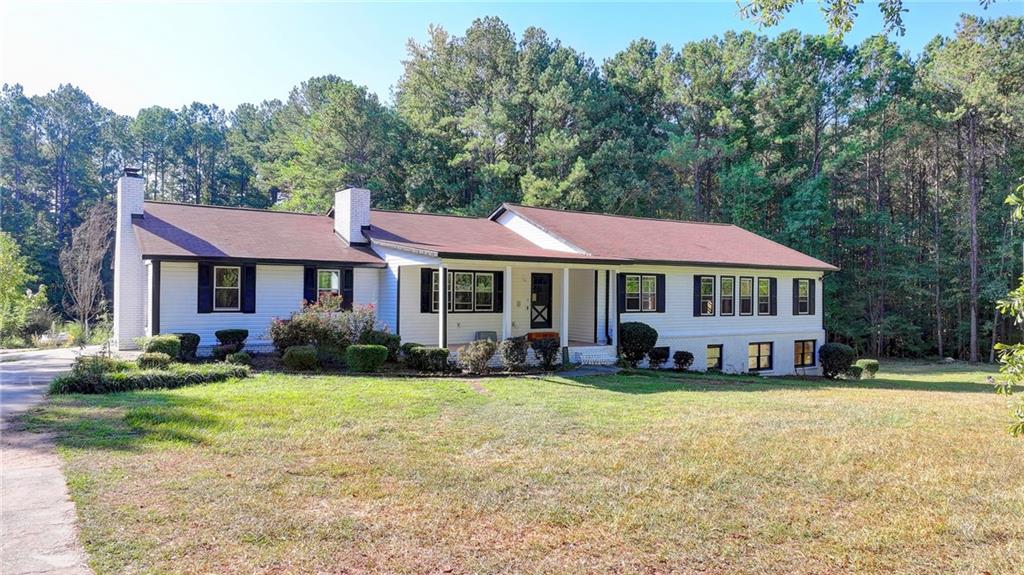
(540, 301)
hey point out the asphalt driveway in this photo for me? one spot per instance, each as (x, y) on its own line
(37, 518)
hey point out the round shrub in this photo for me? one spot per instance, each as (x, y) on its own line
(366, 358)
(300, 358)
(513, 352)
(168, 344)
(657, 357)
(682, 360)
(406, 347)
(330, 355)
(429, 359)
(392, 341)
(869, 367)
(232, 337)
(547, 350)
(836, 359)
(189, 346)
(154, 360)
(636, 339)
(854, 372)
(239, 358)
(287, 333)
(475, 356)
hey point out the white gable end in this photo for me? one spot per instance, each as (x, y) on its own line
(534, 234)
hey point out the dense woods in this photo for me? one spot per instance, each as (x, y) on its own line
(893, 167)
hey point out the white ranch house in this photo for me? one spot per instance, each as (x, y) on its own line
(739, 302)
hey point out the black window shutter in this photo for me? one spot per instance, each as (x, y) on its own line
(347, 288)
(811, 299)
(499, 291)
(661, 292)
(620, 298)
(696, 296)
(249, 288)
(796, 296)
(204, 289)
(426, 281)
(309, 284)
(773, 286)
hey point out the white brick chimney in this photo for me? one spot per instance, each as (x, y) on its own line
(129, 270)
(351, 213)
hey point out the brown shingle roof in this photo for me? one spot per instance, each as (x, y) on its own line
(196, 231)
(669, 241)
(453, 236)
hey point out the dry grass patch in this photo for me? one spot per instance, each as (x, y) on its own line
(909, 473)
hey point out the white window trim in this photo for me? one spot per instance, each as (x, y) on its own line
(238, 288)
(700, 296)
(641, 295)
(476, 305)
(331, 270)
(803, 300)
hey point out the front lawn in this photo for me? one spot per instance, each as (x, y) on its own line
(909, 473)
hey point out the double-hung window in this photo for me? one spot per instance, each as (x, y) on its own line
(727, 285)
(746, 296)
(227, 288)
(467, 291)
(764, 296)
(707, 295)
(759, 356)
(328, 283)
(641, 292)
(803, 297)
(803, 353)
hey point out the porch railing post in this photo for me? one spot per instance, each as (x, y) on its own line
(506, 304)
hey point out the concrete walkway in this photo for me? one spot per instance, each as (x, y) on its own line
(37, 518)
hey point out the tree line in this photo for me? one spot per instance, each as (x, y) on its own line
(890, 166)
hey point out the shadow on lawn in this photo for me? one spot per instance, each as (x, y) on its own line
(646, 383)
(122, 421)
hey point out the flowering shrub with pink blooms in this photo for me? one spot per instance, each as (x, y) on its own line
(321, 324)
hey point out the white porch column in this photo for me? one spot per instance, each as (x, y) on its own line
(506, 304)
(563, 330)
(442, 306)
(613, 307)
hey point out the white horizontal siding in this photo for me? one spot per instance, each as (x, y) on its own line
(278, 294)
(279, 291)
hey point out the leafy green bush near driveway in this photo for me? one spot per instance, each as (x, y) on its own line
(547, 350)
(154, 359)
(475, 356)
(836, 359)
(430, 359)
(177, 375)
(169, 344)
(189, 346)
(636, 339)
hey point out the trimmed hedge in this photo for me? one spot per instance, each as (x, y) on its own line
(177, 375)
(836, 359)
(366, 358)
(513, 352)
(636, 339)
(300, 358)
(657, 357)
(547, 351)
(154, 360)
(475, 356)
(232, 336)
(869, 367)
(189, 346)
(239, 358)
(854, 372)
(431, 359)
(169, 344)
(682, 360)
(391, 341)
(406, 347)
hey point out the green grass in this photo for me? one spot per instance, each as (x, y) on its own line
(910, 473)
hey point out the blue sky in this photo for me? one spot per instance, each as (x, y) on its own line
(128, 56)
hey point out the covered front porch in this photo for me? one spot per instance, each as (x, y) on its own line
(575, 303)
